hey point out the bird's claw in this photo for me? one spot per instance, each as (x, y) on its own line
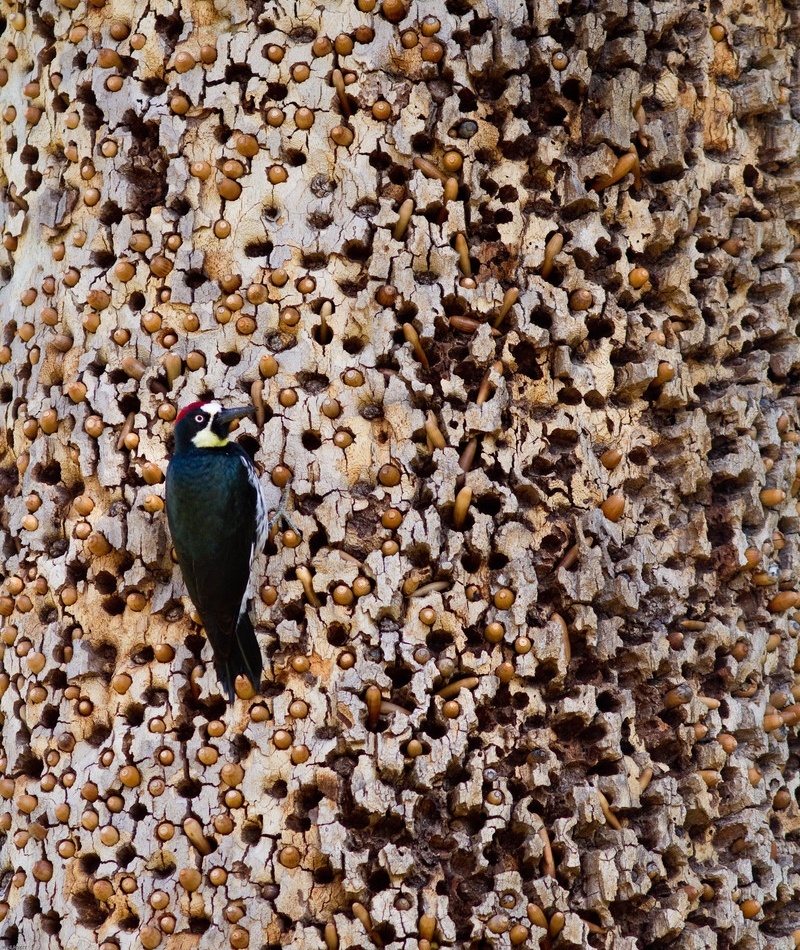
(282, 516)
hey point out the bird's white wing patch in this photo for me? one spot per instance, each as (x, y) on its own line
(262, 527)
(262, 522)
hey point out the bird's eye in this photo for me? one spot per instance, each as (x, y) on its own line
(199, 417)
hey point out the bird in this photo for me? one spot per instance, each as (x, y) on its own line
(217, 517)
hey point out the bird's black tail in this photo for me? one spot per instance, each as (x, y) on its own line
(245, 658)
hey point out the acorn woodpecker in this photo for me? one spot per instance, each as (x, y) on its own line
(218, 519)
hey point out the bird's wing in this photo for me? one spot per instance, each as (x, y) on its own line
(262, 521)
(218, 579)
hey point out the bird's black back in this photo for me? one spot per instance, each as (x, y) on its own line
(211, 507)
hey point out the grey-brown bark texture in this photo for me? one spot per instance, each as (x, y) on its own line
(515, 288)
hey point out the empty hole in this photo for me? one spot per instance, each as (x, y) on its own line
(258, 249)
(489, 504)
(337, 635)
(89, 863)
(422, 142)
(277, 90)
(295, 157)
(105, 583)
(324, 874)
(134, 714)
(314, 260)
(114, 605)
(189, 787)
(251, 832)
(357, 251)
(192, 278)
(438, 640)
(399, 675)
(353, 345)
(126, 852)
(143, 656)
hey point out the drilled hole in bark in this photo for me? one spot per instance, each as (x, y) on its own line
(90, 912)
(380, 160)
(105, 582)
(295, 157)
(314, 260)
(250, 444)
(320, 220)
(277, 91)
(49, 474)
(51, 923)
(134, 714)
(188, 787)
(337, 635)
(257, 249)
(126, 852)
(238, 73)
(278, 790)
(143, 656)
(114, 605)
(89, 863)
(251, 831)
(324, 874)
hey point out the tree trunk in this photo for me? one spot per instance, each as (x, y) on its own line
(514, 290)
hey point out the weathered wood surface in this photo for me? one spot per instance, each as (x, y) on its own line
(516, 289)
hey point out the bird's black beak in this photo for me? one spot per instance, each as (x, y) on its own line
(223, 419)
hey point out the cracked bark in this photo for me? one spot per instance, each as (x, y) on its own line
(531, 671)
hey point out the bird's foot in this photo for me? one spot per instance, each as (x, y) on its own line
(281, 515)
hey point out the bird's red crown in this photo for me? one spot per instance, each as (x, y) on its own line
(190, 408)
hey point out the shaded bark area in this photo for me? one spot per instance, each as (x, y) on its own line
(514, 289)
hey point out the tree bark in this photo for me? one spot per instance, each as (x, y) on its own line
(514, 290)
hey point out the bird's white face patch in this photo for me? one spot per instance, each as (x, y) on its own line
(206, 438)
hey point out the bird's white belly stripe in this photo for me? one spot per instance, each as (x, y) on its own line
(262, 523)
